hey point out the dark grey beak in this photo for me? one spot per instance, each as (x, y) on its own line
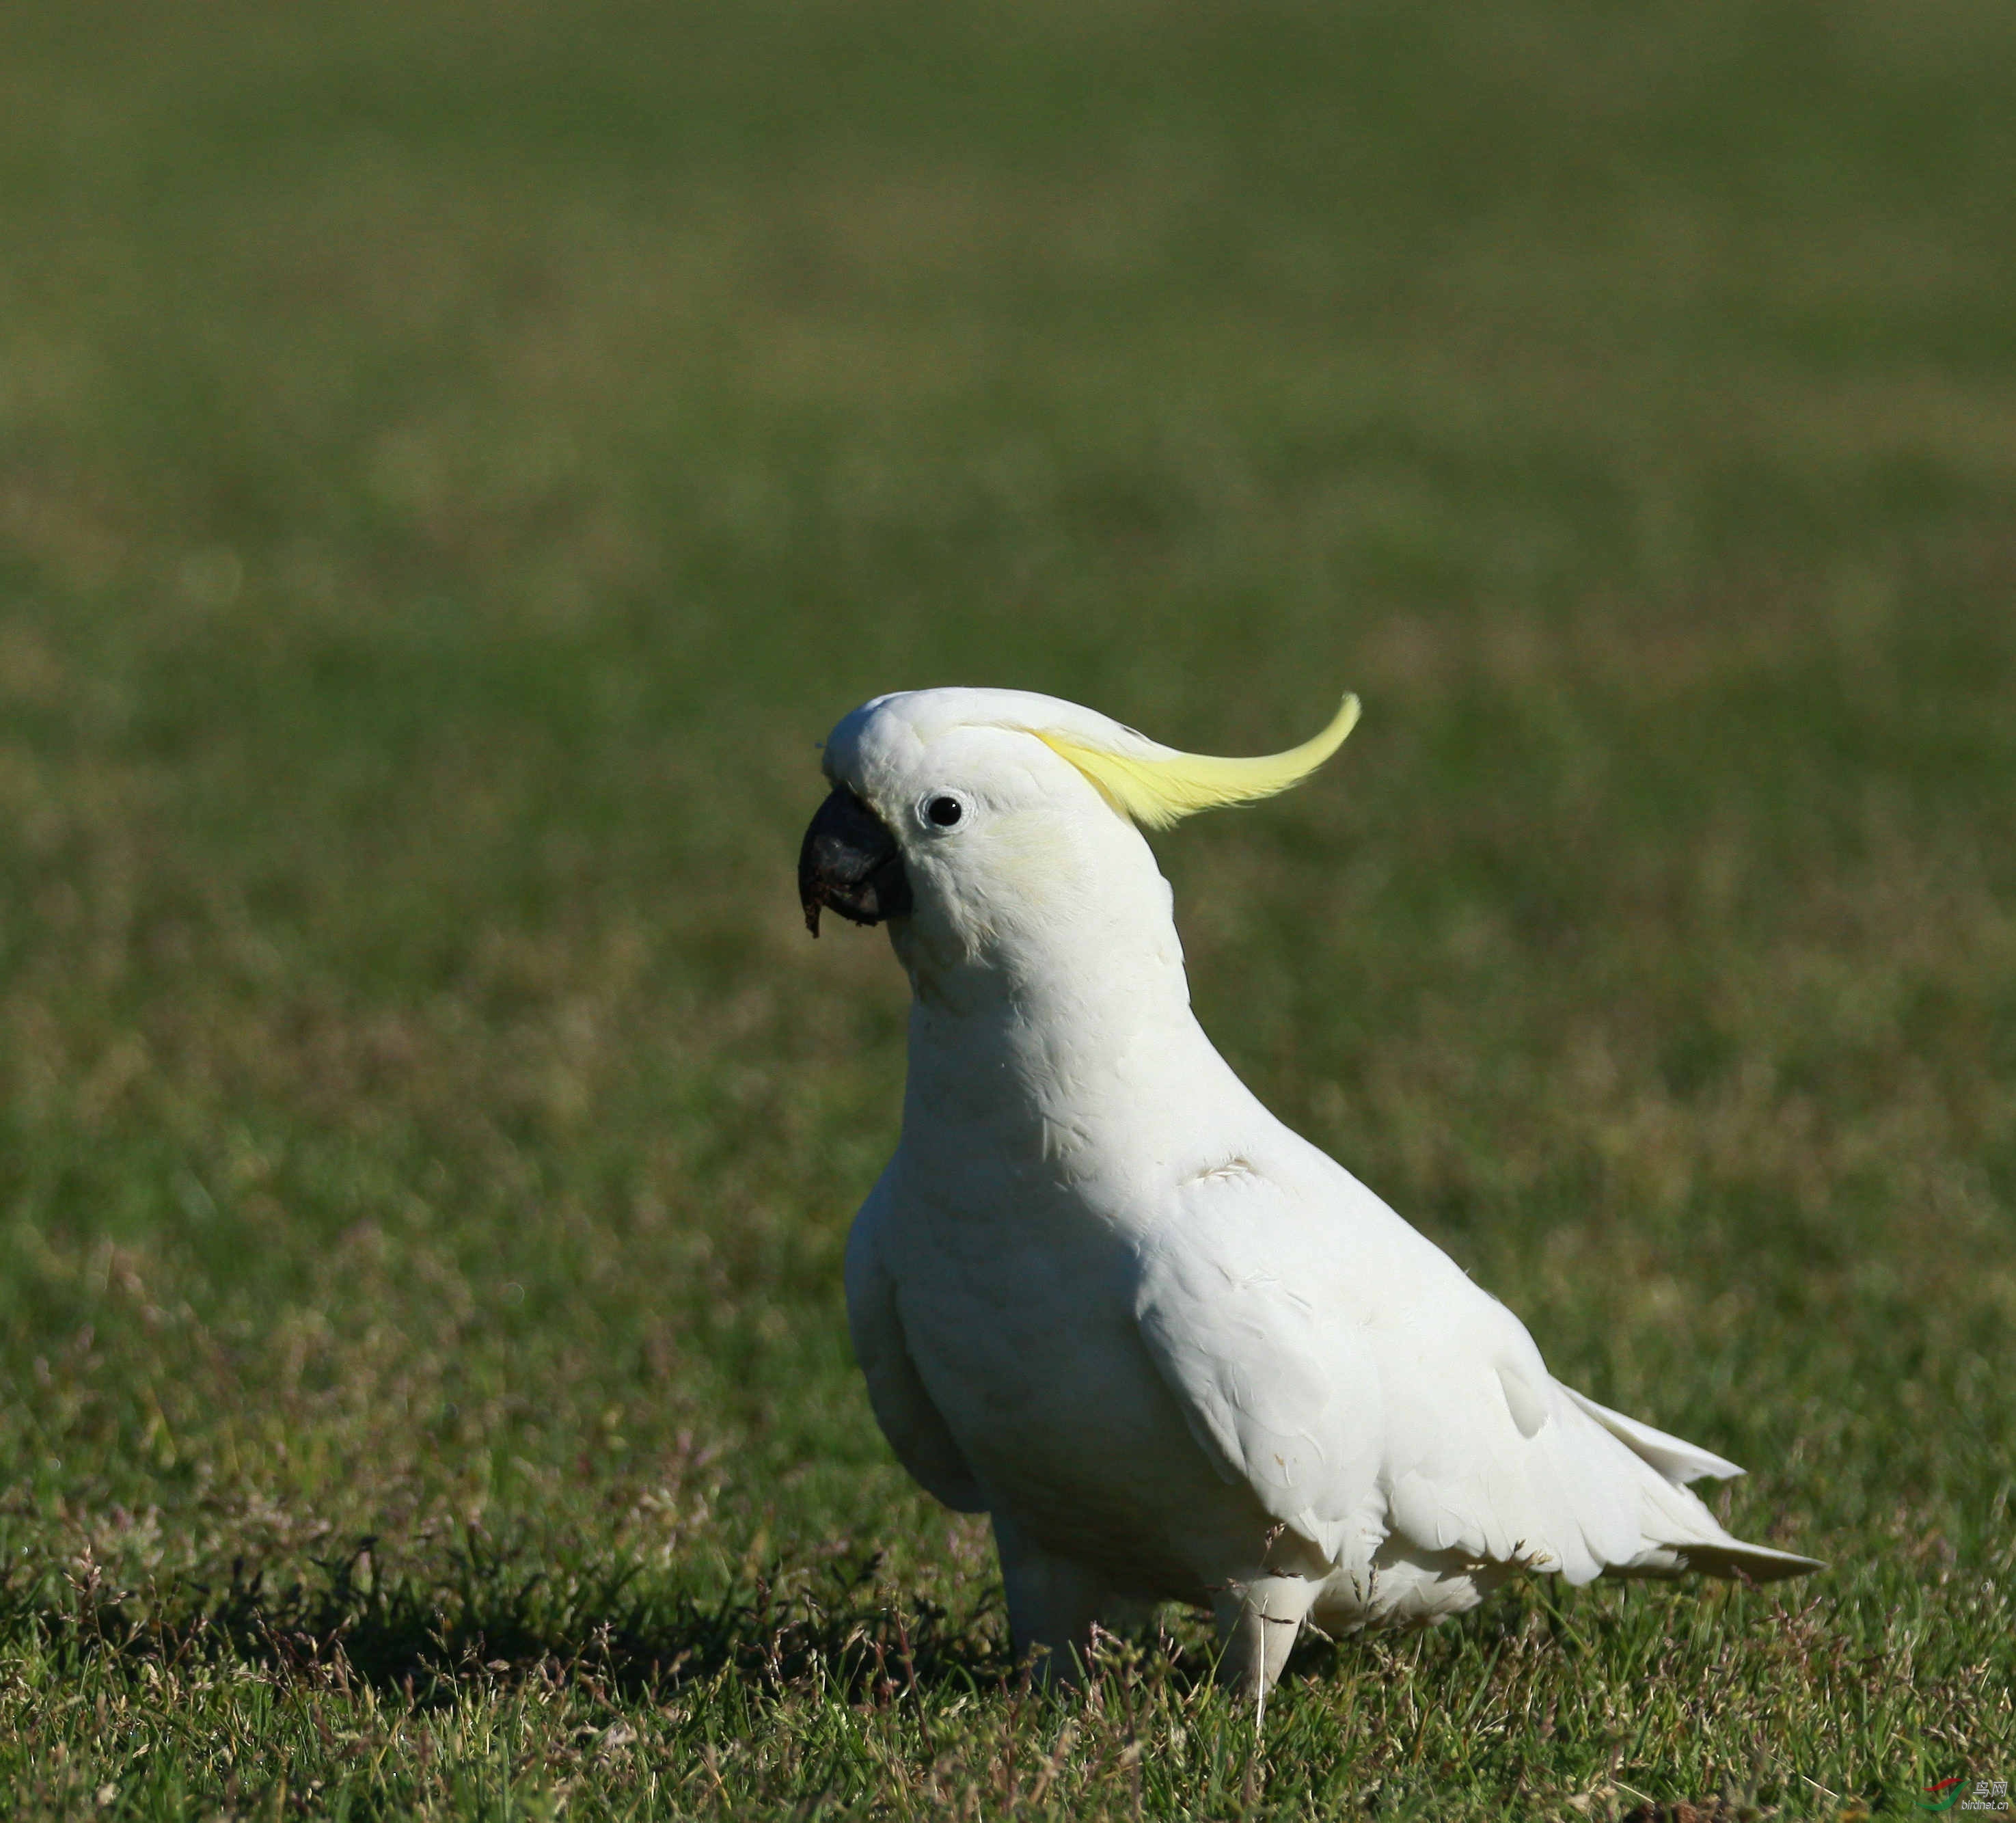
(850, 862)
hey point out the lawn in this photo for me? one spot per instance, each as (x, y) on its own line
(455, 463)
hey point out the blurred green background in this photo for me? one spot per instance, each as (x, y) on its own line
(456, 461)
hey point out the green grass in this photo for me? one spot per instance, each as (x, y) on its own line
(455, 461)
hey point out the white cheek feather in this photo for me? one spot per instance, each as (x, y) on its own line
(1024, 863)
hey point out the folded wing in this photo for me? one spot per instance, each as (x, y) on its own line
(917, 1431)
(1356, 1381)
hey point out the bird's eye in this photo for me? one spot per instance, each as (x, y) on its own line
(945, 812)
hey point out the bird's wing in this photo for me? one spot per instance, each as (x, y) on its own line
(1488, 1455)
(1485, 1455)
(1350, 1374)
(1277, 1393)
(915, 1428)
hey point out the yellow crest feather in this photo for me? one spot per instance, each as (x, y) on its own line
(1158, 786)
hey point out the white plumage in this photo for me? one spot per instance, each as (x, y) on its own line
(1102, 1295)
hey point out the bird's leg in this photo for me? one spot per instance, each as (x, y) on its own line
(1257, 1622)
(1053, 1603)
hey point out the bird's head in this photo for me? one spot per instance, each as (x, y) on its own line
(982, 821)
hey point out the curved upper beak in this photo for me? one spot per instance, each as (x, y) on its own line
(850, 862)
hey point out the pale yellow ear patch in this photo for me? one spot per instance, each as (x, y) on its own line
(1160, 786)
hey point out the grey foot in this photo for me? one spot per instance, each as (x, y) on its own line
(1053, 1604)
(1259, 1621)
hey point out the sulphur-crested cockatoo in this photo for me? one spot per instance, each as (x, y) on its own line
(1102, 1294)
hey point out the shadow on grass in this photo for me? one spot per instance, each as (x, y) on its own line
(492, 1613)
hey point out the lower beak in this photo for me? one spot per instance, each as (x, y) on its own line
(850, 862)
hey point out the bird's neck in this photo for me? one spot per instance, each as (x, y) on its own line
(1036, 1052)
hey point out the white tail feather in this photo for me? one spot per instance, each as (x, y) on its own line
(1682, 1537)
(1674, 1458)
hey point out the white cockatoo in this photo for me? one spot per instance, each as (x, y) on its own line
(1102, 1294)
